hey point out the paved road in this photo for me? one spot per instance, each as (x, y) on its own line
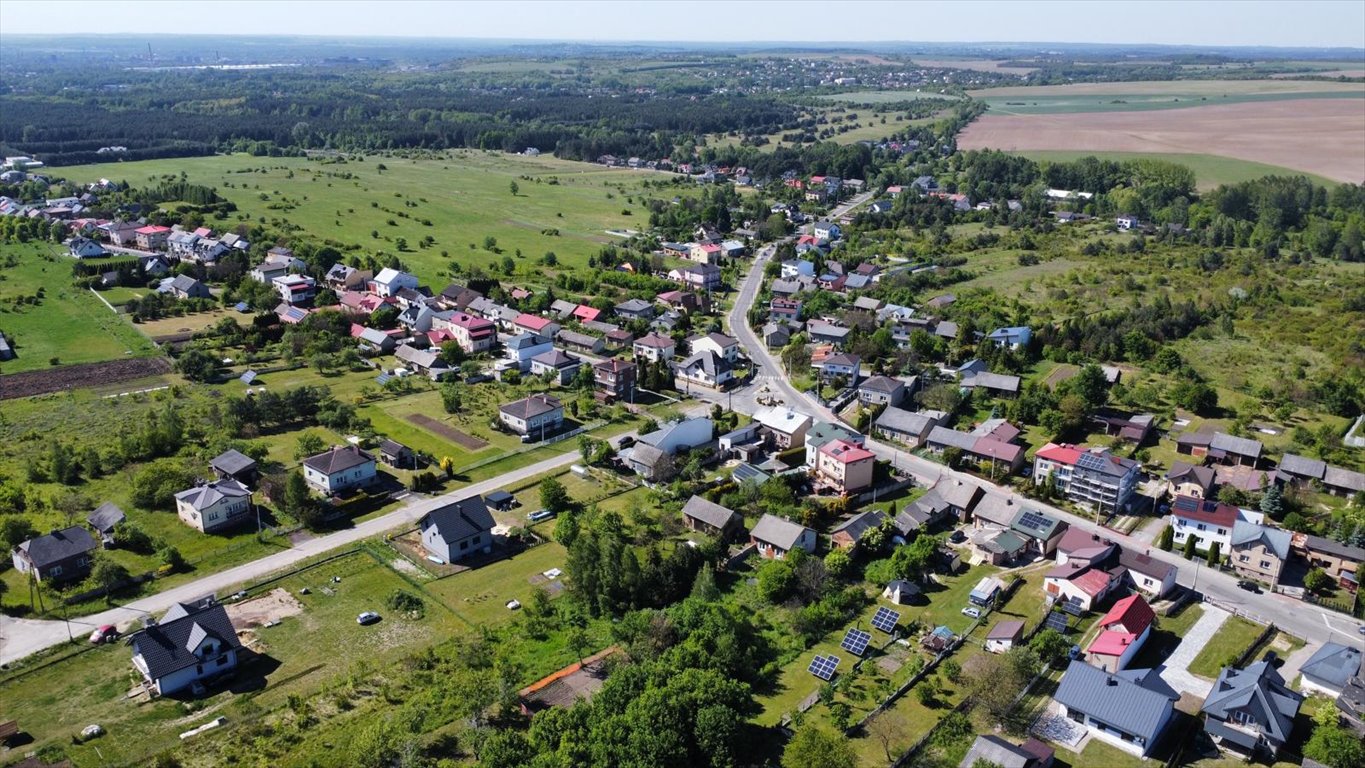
(21, 637)
(1297, 617)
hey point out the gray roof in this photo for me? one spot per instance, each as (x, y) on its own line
(1338, 477)
(1245, 534)
(205, 496)
(1182, 472)
(1241, 446)
(577, 339)
(556, 358)
(531, 407)
(57, 546)
(1333, 665)
(952, 438)
(338, 459)
(710, 362)
(1260, 691)
(184, 283)
(779, 532)
(1335, 548)
(459, 519)
(822, 432)
(169, 646)
(105, 517)
(997, 381)
(634, 306)
(375, 336)
(996, 750)
(1302, 466)
(858, 524)
(884, 384)
(708, 512)
(1117, 700)
(1033, 523)
(905, 422)
(232, 461)
(995, 508)
(822, 328)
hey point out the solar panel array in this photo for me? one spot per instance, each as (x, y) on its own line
(1057, 621)
(855, 641)
(1090, 461)
(823, 666)
(749, 472)
(885, 619)
(1072, 608)
(1036, 521)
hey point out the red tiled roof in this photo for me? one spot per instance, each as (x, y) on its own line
(845, 452)
(1062, 454)
(470, 322)
(1204, 511)
(153, 230)
(533, 322)
(1131, 613)
(586, 313)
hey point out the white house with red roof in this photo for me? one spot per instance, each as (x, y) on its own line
(529, 323)
(1082, 584)
(472, 333)
(152, 237)
(1094, 476)
(1123, 630)
(654, 347)
(844, 467)
(1208, 521)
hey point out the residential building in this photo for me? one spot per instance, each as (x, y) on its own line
(417, 317)
(524, 346)
(1259, 552)
(1191, 480)
(783, 427)
(458, 530)
(1250, 712)
(844, 366)
(882, 390)
(1129, 710)
(535, 416)
(774, 537)
(373, 339)
(700, 277)
(295, 289)
(615, 379)
(395, 454)
(1123, 631)
(993, 384)
(822, 332)
(712, 519)
(635, 309)
(1092, 477)
(844, 467)
(341, 278)
(85, 248)
(654, 347)
(705, 369)
(847, 534)
(184, 287)
(473, 334)
(427, 362)
(1014, 337)
(910, 428)
(1208, 521)
(949, 499)
(719, 343)
(1340, 561)
(1082, 584)
(994, 750)
(541, 326)
(152, 238)
(1330, 669)
(1351, 703)
(1004, 636)
(104, 520)
(1041, 531)
(981, 448)
(339, 469)
(190, 643)
(1337, 481)
(235, 465)
(564, 367)
(61, 556)
(389, 282)
(581, 342)
(1146, 573)
(706, 253)
(215, 506)
(652, 456)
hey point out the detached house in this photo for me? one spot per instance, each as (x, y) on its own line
(882, 390)
(190, 643)
(214, 506)
(339, 469)
(774, 537)
(705, 369)
(1259, 552)
(60, 556)
(615, 379)
(458, 530)
(719, 343)
(389, 282)
(1093, 477)
(472, 333)
(1129, 710)
(654, 347)
(1208, 521)
(711, 518)
(1330, 669)
(534, 416)
(1250, 712)
(783, 427)
(1124, 630)
(843, 467)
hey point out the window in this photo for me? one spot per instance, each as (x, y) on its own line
(1243, 558)
(476, 538)
(1243, 717)
(1265, 563)
(1222, 531)
(1201, 527)
(464, 545)
(56, 570)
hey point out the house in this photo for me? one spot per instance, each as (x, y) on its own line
(733, 249)
(1091, 477)
(701, 277)
(821, 432)
(1129, 710)
(706, 253)
(993, 750)
(1258, 552)
(719, 343)
(797, 268)
(783, 427)
(1340, 561)
(827, 230)
(1123, 631)
(776, 336)
(842, 365)
(1221, 448)
(339, 469)
(1013, 337)
(214, 506)
(85, 248)
(581, 342)
(473, 334)
(185, 287)
(235, 465)
(948, 500)
(635, 309)
(458, 530)
(711, 518)
(882, 390)
(652, 455)
(1250, 712)
(1127, 222)
(104, 520)
(615, 379)
(295, 289)
(1330, 669)
(844, 467)
(152, 238)
(938, 639)
(1146, 573)
(341, 277)
(373, 339)
(417, 317)
(1191, 480)
(1208, 521)
(654, 347)
(774, 537)
(192, 642)
(1351, 703)
(562, 366)
(979, 446)
(997, 546)
(705, 369)
(536, 324)
(524, 346)
(61, 556)
(390, 281)
(908, 427)
(534, 416)
(847, 534)
(585, 314)
(395, 454)
(1082, 584)
(685, 302)
(290, 315)
(997, 384)
(1004, 636)
(1133, 428)
(925, 184)
(1041, 531)
(427, 362)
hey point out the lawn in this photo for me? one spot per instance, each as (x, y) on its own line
(66, 324)
(1209, 170)
(465, 195)
(480, 596)
(1231, 639)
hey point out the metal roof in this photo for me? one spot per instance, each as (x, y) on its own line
(1114, 700)
(1246, 534)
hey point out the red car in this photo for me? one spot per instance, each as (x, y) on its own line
(105, 634)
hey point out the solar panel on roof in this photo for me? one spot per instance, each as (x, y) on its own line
(1057, 621)
(885, 620)
(1034, 520)
(823, 666)
(855, 641)
(1089, 461)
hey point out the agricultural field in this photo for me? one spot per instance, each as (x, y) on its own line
(1156, 95)
(46, 318)
(1209, 170)
(560, 206)
(1269, 132)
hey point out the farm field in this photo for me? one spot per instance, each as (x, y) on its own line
(67, 323)
(1165, 94)
(1209, 170)
(465, 195)
(1264, 133)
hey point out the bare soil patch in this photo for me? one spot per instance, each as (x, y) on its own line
(68, 377)
(448, 432)
(1321, 136)
(975, 65)
(1160, 87)
(258, 611)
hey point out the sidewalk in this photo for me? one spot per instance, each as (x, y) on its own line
(1177, 673)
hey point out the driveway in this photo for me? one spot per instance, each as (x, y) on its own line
(1176, 672)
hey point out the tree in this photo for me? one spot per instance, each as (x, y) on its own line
(1317, 580)
(1195, 396)
(1166, 540)
(1215, 554)
(198, 365)
(514, 188)
(310, 444)
(704, 587)
(172, 560)
(838, 563)
(108, 576)
(1050, 645)
(299, 502)
(1335, 746)
(1189, 549)
(776, 580)
(927, 691)
(15, 531)
(1272, 502)
(452, 396)
(814, 747)
(553, 495)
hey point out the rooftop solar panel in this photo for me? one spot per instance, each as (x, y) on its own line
(1034, 520)
(885, 620)
(1089, 461)
(855, 641)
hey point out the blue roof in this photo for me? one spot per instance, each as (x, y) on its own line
(1115, 700)
(242, 306)
(1018, 330)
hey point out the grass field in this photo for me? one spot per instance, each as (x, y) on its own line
(1209, 170)
(1233, 637)
(68, 324)
(1172, 94)
(465, 195)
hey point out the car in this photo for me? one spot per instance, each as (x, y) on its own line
(625, 442)
(105, 634)
(367, 618)
(975, 613)
(957, 537)
(1361, 629)
(1249, 586)
(540, 515)
(1074, 653)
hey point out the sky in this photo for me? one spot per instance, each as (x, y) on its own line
(1289, 23)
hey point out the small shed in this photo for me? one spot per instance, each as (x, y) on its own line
(985, 591)
(395, 454)
(901, 592)
(500, 500)
(104, 519)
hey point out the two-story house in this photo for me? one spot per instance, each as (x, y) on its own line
(882, 390)
(705, 369)
(535, 416)
(655, 347)
(215, 506)
(524, 346)
(844, 467)
(389, 282)
(472, 333)
(1094, 477)
(192, 642)
(1259, 552)
(719, 343)
(783, 427)
(339, 469)
(1250, 712)
(1208, 521)
(615, 379)
(295, 289)
(1129, 709)
(458, 530)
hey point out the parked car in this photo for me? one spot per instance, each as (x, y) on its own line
(540, 515)
(1249, 586)
(367, 618)
(625, 442)
(975, 613)
(957, 537)
(105, 634)
(1074, 653)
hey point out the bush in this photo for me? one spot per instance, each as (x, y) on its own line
(407, 603)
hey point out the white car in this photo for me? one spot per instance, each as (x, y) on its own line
(367, 618)
(975, 613)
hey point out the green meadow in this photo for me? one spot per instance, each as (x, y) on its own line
(1209, 170)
